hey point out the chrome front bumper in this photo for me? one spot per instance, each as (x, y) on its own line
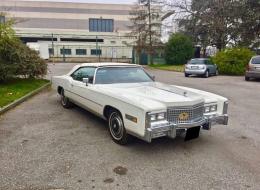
(170, 130)
(218, 120)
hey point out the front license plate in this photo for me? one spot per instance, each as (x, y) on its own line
(192, 133)
(194, 67)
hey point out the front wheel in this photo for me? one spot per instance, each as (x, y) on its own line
(247, 78)
(186, 75)
(116, 128)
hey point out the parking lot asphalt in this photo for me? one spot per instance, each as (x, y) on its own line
(46, 147)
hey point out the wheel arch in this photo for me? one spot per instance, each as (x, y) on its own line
(107, 110)
(59, 89)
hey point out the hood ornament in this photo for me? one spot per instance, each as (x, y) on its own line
(185, 94)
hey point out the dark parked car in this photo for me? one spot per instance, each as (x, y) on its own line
(200, 66)
(253, 68)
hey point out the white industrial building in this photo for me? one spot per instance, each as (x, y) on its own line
(73, 31)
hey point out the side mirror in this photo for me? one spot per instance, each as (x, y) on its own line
(86, 81)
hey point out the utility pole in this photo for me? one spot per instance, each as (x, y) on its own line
(63, 54)
(96, 46)
(52, 46)
(99, 54)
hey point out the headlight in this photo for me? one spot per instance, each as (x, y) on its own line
(153, 117)
(207, 109)
(161, 116)
(211, 108)
(157, 116)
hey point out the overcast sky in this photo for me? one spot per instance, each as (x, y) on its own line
(93, 1)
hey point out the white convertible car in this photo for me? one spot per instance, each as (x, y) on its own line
(134, 104)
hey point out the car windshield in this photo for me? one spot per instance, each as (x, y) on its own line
(197, 62)
(111, 75)
(256, 60)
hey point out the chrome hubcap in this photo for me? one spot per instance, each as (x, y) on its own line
(116, 126)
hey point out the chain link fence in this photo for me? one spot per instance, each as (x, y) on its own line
(89, 53)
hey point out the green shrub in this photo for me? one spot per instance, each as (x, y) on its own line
(17, 59)
(179, 49)
(232, 61)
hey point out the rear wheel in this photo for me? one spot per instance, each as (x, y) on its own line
(247, 78)
(206, 75)
(186, 75)
(116, 128)
(217, 73)
(65, 102)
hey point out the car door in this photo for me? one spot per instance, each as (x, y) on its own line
(211, 67)
(84, 94)
(214, 67)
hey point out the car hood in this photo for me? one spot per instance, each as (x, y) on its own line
(156, 95)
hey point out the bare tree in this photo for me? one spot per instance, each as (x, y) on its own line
(220, 22)
(146, 27)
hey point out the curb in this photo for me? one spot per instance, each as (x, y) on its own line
(24, 98)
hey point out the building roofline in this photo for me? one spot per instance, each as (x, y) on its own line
(72, 3)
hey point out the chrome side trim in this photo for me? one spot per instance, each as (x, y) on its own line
(89, 110)
(84, 98)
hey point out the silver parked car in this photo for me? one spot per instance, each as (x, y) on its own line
(253, 68)
(200, 66)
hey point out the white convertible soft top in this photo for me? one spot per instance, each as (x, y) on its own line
(106, 64)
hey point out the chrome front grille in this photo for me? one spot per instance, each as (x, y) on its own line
(185, 115)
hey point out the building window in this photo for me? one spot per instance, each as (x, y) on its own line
(101, 25)
(81, 52)
(51, 52)
(96, 52)
(2, 19)
(65, 51)
(113, 42)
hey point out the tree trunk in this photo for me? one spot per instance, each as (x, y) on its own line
(150, 34)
